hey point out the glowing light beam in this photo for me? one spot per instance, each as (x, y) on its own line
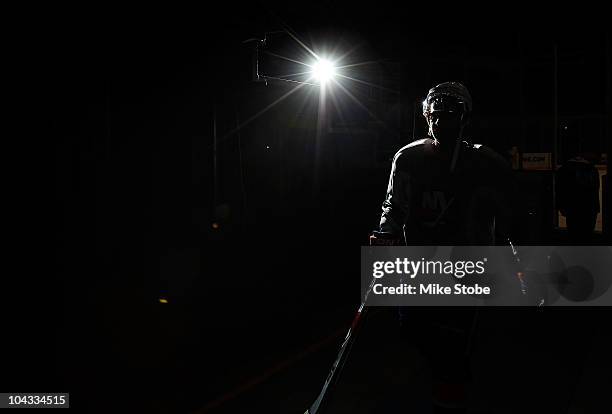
(350, 95)
(267, 108)
(288, 59)
(368, 83)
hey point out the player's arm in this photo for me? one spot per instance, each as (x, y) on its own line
(396, 207)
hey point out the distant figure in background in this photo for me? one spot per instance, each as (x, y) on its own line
(578, 197)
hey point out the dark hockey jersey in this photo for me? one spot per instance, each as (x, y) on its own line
(427, 202)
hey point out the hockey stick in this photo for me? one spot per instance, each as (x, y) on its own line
(520, 274)
(347, 344)
(343, 354)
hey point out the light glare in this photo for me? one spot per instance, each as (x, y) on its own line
(323, 70)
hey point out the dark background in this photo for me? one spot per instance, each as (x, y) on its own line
(135, 97)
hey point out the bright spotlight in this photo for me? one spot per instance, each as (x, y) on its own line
(323, 70)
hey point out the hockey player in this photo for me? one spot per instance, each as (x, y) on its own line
(445, 190)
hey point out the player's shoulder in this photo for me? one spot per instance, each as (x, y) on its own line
(413, 156)
(416, 148)
(488, 156)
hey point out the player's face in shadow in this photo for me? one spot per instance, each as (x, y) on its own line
(445, 126)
